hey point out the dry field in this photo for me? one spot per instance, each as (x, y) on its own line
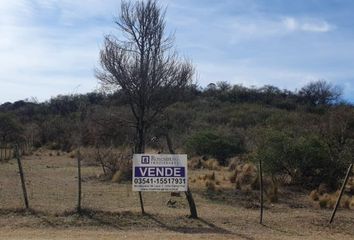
(112, 210)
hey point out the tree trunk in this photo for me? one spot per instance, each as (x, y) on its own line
(140, 148)
(140, 144)
(99, 158)
(188, 193)
(169, 143)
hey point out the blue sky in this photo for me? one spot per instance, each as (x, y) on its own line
(50, 47)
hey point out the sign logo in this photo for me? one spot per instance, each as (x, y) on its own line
(145, 159)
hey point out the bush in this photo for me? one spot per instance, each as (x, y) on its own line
(307, 159)
(214, 145)
(116, 162)
(10, 128)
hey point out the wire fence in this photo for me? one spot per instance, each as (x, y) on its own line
(6, 152)
(52, 186)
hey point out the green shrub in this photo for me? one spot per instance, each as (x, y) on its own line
(307, 159)
(214, 145)
(10, 128)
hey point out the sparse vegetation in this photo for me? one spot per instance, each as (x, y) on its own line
(241, 123)
(148, 101)
(217, 146)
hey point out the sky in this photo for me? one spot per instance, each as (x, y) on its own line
(51, 47)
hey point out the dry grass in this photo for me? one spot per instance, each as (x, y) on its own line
(328, 200)
(271, 191)
(195, 163)
(116, 162)
(233, 163)
(52, 188)
(345, 201)
(210, 185)
(199, 163)
(246, 179)
(323, 200)
(351, 204)
(123, 174)
(350, 186)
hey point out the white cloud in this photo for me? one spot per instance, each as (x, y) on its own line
(40, 58)
(239, 29)
(307, 25)
(290, 23)
(51, 46)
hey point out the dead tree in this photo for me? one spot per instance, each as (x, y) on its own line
(143, 65)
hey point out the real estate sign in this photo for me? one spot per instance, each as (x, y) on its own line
(160, 172)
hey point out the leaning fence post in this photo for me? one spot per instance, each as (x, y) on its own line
(261, 191)
(191, 203)
(188, 193)
(23, 183)
(341, 193)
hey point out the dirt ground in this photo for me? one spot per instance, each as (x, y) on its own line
(112, 211)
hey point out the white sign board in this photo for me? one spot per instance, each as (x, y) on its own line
(160, 172)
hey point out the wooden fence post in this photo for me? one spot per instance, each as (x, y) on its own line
(341, 193)
(188, 193)
(141, 203)
(191, 203)
(261, 191)
(79, 181)
(23, 183)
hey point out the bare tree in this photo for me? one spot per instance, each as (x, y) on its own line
(143, 64)
(320, 93)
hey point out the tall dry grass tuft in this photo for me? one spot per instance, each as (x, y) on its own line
(350, 186)
(195, 163)
(123, 174)
(351, 203)
(328, 200)
(211, 164)
(314, 195)
(233, 177)
(233, 163)
(323, 200)
(345, 201)
(210, 185)
(271, 192)
(199, 163)
(115, 162)
(246, 178)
